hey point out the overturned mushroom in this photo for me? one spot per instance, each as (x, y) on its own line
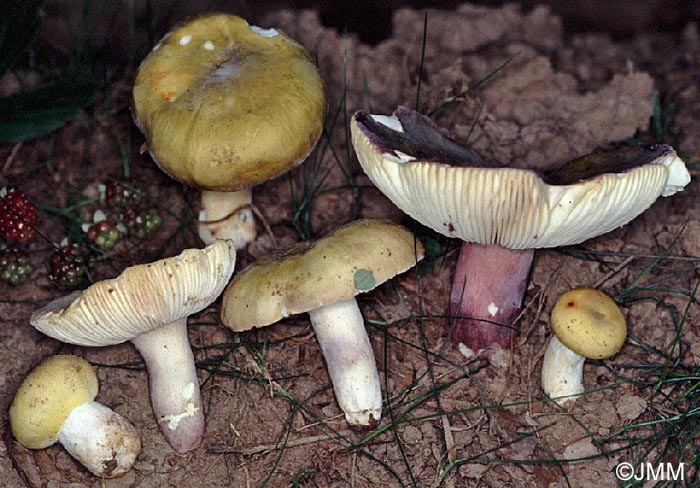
(148, 304)
(225, 106)
(502, 214)
(586, 324)
(323, 278)
(55, 403)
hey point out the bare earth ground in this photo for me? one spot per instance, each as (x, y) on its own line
(272, 418)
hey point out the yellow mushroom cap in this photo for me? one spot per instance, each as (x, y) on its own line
(225, 105)
(589, 323)
(352, 259)
(47, 396)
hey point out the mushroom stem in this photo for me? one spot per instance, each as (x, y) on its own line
(227, 215)
(562, 372)
(101, 439)
(487, 292)
(340, 330)
(174, 385)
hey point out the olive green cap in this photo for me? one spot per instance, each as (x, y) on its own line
(225, 105)
(352, 259)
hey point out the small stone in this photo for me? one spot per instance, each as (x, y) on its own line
(629, 407)
(580, 449)
(473, 470)
(411, 435)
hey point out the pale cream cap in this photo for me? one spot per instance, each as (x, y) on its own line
(509, 207)
(141, 299)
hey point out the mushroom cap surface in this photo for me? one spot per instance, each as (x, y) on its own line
(225, 105)
(589, 322)
(47, 396)
(510, 207)
(141, 299)
(350, 260)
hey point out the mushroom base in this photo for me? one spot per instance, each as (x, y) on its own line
(340, 330)
(562, 372)
(174, 385)
(227, 215)
(101, 439)
(487, 293)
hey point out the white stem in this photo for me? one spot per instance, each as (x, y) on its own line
(222, 216)
(340, 330)
(562, 372)
(174, 385)
(102, 440)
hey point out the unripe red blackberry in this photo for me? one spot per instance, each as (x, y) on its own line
(103, 234)
(121, 194)
(17, 216)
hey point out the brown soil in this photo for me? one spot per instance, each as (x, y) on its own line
(271, 412)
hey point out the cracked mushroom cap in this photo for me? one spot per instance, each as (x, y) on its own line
(448, 186)
(141, 299)
(589, 323)
(47, 396)
(351, 260)
(225, 105)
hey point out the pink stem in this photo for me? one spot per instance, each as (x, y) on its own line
(487, 293)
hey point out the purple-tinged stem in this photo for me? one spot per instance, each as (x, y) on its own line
(487, 293)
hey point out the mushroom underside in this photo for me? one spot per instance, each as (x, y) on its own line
(449, 187)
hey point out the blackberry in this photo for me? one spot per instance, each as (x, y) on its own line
(15, 267)
(121, 194)
(103, 234)
(68, 267)
(17, 216)
(141, 221)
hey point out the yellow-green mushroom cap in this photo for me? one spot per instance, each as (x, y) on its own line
(589, 323)
(47, 396)
(225, 105)
(352, 259)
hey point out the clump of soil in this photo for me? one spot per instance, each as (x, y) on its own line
(522, 94)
